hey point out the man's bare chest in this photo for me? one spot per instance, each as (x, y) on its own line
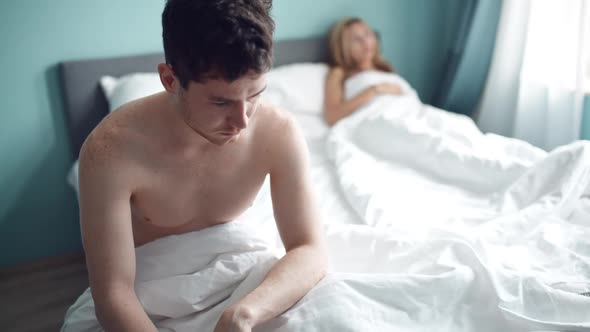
(183, 197)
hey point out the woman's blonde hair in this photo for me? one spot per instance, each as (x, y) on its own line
(338, 55)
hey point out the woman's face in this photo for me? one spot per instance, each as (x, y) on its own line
(360, 44)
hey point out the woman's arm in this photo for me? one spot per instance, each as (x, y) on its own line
(336, 108)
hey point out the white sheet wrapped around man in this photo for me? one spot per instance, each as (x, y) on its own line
(523, 212)
(379, 281)
(185, 281)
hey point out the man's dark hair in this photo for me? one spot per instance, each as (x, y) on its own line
(217, 38)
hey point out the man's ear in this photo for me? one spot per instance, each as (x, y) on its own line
(168, 79)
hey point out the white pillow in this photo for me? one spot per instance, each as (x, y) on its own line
(73, 178)
(298, 87)
(126, 88)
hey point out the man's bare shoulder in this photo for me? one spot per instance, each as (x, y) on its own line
(275, 125)
(107, 140)
(281, 132)
(276, 119)
(116, 139)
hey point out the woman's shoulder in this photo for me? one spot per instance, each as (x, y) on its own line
(341, 74)
(336, 74)
(336, 70)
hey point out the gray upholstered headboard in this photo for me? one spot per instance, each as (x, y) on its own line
(85, 104)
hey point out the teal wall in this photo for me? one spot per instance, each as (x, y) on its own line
(38, 212)
(586, 119)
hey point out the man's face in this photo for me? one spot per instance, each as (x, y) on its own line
(219, 110)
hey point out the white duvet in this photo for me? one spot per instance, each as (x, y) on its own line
(455, 231)
(517, 218)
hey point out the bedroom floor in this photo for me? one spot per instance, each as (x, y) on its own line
(36, 297)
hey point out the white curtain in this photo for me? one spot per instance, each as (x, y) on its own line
(535, 87)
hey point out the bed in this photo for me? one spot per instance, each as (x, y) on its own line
(432, 225)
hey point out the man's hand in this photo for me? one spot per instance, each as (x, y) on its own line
(234, 319)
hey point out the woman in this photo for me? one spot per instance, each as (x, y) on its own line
(353, 49)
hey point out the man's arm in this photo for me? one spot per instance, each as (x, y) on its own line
(108, 238)
(297, 218)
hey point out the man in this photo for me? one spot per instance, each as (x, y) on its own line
(195, 156)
